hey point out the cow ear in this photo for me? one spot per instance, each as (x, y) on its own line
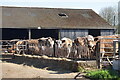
(63, 41)
(96, 38)
(53, 39)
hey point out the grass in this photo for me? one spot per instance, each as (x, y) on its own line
(103, 74)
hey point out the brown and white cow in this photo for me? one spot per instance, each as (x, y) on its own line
(79, 41)
(17, 46)
(91, 43)
(63, 48)
(82, 47)
(27, 47)
(33, 46)
(85, 41)
(86, 46)
(107, 41)
(66, 42)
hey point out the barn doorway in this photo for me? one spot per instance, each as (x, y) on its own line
(14, 33)
(19, 33)
(38, 33)
(94, 32)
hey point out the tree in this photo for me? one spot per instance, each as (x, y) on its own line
(110, 14)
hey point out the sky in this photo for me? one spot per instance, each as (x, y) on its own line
(96, 5)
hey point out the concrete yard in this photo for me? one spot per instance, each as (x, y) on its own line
(34, 67)
(10, 70)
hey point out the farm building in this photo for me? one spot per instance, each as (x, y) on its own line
(17, 22)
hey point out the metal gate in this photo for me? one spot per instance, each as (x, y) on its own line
(112, 52)
(11, 47)
(116, 61)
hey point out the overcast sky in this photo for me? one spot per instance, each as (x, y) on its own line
(96, 5)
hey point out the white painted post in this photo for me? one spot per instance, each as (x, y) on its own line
(29, 33)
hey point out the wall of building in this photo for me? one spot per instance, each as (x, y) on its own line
(107, 32)
(73, 33)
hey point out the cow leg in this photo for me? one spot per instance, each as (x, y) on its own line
(68, 51)
(75, 53)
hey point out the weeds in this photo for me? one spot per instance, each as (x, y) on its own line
(103, 74)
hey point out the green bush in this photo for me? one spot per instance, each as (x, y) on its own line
(103, 74)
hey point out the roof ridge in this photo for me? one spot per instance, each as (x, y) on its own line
(41, 7)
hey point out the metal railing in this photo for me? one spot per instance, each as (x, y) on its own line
(105, 55)
(75, 52)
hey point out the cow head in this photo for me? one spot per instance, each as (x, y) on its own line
(49, 42)
(66, 42)
(90, 41)
(79, 41)
(59, 43)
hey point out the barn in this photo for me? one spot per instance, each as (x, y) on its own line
(36, 22)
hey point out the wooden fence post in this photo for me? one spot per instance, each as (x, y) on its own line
(98, 55)
(54, 49)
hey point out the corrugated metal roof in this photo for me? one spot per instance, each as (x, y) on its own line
(31, 17)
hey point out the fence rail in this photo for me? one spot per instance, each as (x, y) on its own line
(111, 52)
(75, 52)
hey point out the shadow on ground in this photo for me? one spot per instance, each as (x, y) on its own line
(33, 63)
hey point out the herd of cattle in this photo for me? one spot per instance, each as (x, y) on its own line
(81, 47)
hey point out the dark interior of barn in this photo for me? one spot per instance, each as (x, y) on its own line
(13, 33)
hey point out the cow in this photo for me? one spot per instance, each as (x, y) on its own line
(91, 44)
(105, 46)
(66, 42)
(9, 45)
(32, 47)
(48, 41)
(46, 46)
(5, 45)
(90, 41)
(63, 47)
(82, 47)
(58, 43)
(79, 41)
(106, 41)
(85, 41)
(26, 47)
(19, 47)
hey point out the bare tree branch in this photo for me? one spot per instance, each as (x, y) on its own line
(110, 14)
